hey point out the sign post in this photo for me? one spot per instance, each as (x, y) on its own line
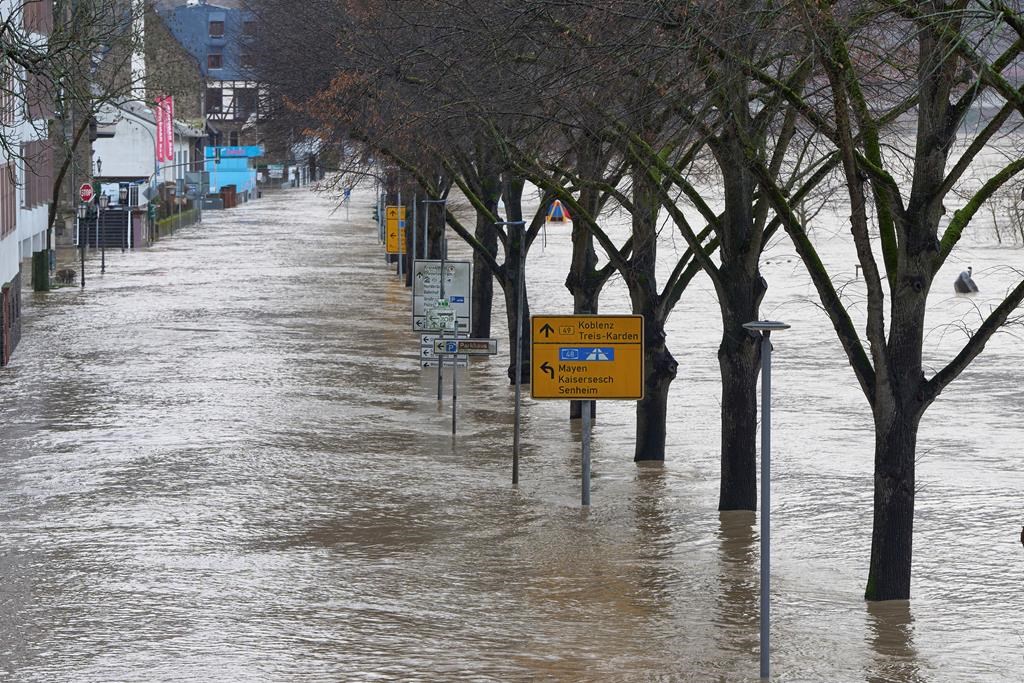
(586, 358)
(394, 229)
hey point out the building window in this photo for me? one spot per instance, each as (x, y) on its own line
(247, 61)
(214, 100)
(8, 204)
(233, 138)
(8, 102)
(37, 98)
(249, 28)
(214, 61)
(245, 102)
(38, 157)
(38, 16)
(216, 29)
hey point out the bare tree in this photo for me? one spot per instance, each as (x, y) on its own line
(950, 65)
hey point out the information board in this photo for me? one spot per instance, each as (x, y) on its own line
(587, 357)
(426, 290)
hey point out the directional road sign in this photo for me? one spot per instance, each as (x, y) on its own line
(459, 361)
(586, 357)
(394, 229)
(426, 291)
(472, 347)
(440, 316)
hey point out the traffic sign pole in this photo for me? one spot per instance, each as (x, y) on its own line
(587, 357)
(455, 390)
(586, 453)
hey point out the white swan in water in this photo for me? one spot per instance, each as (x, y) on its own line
(964, 284)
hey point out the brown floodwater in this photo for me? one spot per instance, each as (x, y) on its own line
(221, 461)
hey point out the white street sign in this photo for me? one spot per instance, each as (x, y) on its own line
(462, 361)
(426, 290)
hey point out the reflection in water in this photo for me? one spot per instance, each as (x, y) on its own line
(891, 633)
(738, 582)
(654, 534)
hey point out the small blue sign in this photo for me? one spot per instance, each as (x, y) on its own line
(457, 299)
(451, 347)
(586, 353)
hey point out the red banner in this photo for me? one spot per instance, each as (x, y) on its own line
(161, 133)
(169, 125)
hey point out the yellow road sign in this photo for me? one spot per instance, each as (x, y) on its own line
(586, 357)
(394, 232)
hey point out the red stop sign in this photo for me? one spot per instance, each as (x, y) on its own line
(85, 192)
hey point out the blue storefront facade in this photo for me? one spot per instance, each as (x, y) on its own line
(233, 166)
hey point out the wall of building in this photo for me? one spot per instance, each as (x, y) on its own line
(26, 171)
(207, 30)
(171, 70)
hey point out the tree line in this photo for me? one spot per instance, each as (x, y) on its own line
(728, 122)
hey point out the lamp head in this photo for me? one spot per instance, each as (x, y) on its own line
(104, 201)
(766, 326)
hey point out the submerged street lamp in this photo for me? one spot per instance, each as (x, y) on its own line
(766, 327)
(104, 202)
(83, 211)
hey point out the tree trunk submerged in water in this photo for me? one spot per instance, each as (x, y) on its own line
(516, 250)
(483, 278)
(660, 368)
(739, 362)
(893, 528)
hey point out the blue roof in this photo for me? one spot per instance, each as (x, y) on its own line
(190, 25)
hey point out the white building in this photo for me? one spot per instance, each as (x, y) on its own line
(26, 167)
(126, 148)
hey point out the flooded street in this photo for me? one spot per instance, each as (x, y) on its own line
(222, 462)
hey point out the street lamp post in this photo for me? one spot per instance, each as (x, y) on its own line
(520, 276)
(122, 198)
(104, 202)
(444, 253)
(83, 210)
(766, 327)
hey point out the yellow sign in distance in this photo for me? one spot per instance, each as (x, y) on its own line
(587, 357)
(394, 229)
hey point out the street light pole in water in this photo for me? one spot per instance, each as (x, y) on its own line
(766, 327)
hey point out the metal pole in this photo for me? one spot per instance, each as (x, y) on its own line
(415, 255)
(103, 252)
(521, 276)
(455, 383)
(81, 250)
(444, 250)
(766, 503)
(586, 454)
(401, 235)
